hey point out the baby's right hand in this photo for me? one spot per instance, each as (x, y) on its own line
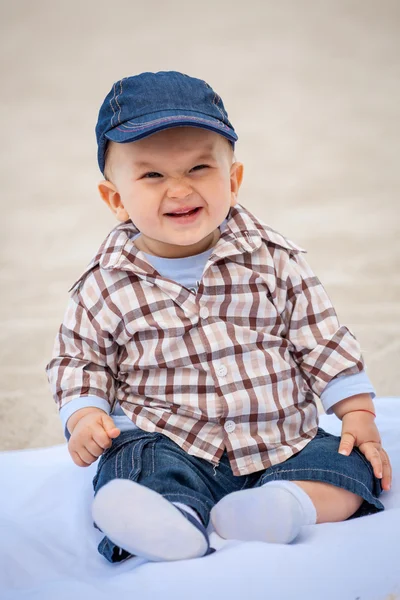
(90, 436)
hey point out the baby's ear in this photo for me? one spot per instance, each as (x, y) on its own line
(236, 181)
(111, 197)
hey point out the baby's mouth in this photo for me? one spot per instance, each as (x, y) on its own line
(186, 213)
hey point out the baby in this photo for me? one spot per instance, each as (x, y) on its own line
(195, 343)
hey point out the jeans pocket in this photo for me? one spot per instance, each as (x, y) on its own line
(124, 459)
(129, 460)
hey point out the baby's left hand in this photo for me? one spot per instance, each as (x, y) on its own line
(359, 429)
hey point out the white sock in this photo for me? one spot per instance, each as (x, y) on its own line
(145, 524)
(309, 512)
(273, 513)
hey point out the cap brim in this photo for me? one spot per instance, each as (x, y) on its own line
(147, 125)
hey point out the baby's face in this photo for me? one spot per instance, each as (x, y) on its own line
(177, 186)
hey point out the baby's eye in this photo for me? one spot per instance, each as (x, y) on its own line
(152, 175)
(198, 167)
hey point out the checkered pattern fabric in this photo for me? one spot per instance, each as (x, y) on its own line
(234, 366)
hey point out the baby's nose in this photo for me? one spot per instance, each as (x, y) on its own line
(178, 188)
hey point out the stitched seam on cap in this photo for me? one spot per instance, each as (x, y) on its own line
(215, 122)
(112, 108)
(117, 103)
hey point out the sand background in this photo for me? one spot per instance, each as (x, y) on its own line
(313, 90)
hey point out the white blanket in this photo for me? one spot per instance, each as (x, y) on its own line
(48, 544)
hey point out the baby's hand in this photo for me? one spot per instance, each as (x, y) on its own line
(359, 429)
(91, 435)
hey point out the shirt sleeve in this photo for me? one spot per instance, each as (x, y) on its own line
(345, 386)
(322, 348)
(83, 402)
(84, 361)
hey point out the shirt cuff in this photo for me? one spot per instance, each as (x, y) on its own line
(341, 388)
(78, 403)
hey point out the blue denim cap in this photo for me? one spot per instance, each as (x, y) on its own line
(139, 106)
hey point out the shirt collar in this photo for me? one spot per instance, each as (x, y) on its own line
(242, 232)
(249, 232)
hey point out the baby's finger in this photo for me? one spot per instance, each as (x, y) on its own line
(94, 448)
(346, 443)
(77, 459)
(86, 456)
(101, 437)
(387, 470)
(372, 454)
(109, 426)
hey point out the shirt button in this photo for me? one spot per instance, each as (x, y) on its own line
(221, 370)
(229, 426)
(204, 312)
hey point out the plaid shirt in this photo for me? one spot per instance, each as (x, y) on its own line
(233, 367)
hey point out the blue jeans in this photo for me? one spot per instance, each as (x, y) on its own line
(155, 461)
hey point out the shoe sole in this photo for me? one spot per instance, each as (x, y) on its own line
(145, 524)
